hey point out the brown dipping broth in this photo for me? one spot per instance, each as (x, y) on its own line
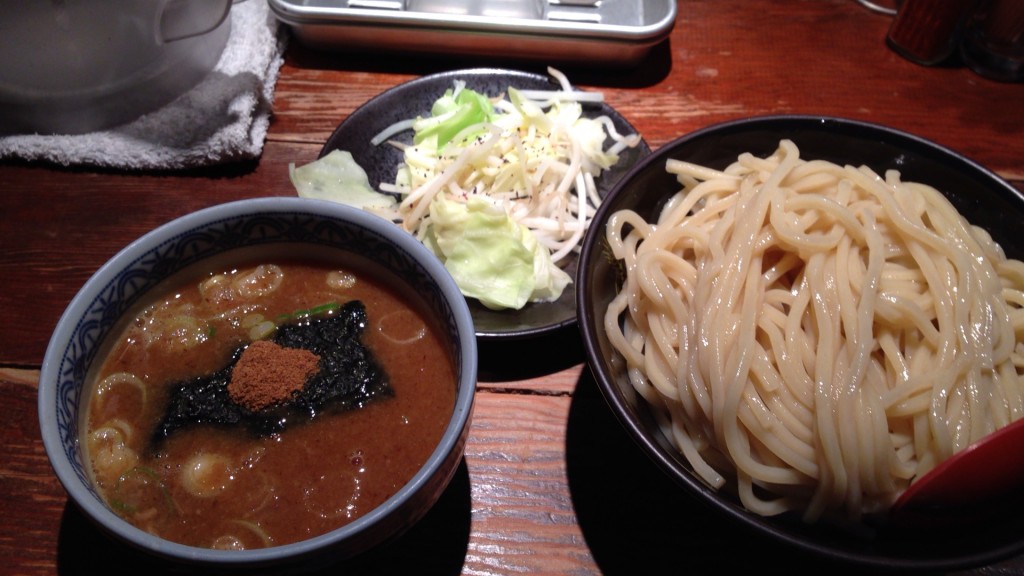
(210, 486)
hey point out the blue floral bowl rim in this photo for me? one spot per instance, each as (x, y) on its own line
(50, 374)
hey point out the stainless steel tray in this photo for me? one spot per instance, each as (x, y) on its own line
(606, 32)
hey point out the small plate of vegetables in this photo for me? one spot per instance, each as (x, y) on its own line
(497, 171)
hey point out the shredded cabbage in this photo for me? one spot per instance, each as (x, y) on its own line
(339, 178)
(501, 189)
(533, 155)
(491, 257)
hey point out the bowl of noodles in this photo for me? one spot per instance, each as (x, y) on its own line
(273, 384)
(795, 317)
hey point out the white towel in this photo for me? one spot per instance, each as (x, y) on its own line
(222, 119)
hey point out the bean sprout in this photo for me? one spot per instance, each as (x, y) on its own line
(538, 159)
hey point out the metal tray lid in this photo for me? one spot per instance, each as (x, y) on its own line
(614, 21)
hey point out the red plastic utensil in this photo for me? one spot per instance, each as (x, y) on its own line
(970, 482)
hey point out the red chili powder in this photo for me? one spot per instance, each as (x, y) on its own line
(267, 373)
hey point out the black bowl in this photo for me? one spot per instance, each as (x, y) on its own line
(981, 196)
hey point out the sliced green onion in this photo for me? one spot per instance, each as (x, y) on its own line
(146, 473)
(324, 308)
(262, 330)
(257, 530)
(315, 311)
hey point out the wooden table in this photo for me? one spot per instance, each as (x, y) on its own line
(550, 482)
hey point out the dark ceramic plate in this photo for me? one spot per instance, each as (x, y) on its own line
(981, 196)
(415, 98)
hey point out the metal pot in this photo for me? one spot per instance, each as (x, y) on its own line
(75, 66)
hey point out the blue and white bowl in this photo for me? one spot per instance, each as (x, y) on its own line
(218, 232)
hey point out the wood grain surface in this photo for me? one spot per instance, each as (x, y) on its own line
(537, 492)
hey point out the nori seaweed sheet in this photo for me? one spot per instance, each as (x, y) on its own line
(349, 376)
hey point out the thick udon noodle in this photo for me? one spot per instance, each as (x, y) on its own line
(817, 333)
